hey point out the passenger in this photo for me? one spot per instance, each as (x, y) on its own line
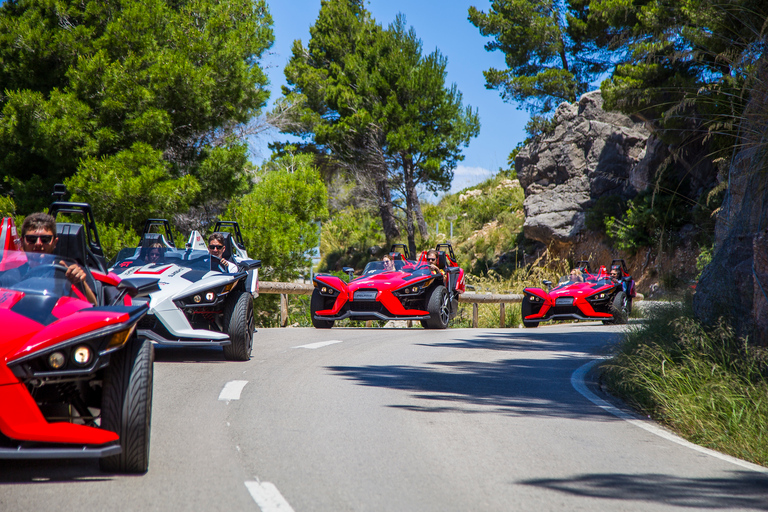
(155, 253)
(576, 276)
(387, 263)
(434, 261)
(38, 235)
(216, 248)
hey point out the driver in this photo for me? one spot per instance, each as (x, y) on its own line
(38, 236)
(433, 262)
(216, 248)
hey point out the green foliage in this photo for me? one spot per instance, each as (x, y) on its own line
(278, 218)
(604, 208)
(92, 84)
(7, 206)
(114, 238)
(348, 237)
(131, 186)
(371, 101)
(649, 219)
(553, 50)
(703, 382)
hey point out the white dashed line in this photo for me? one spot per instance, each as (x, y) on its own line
(267, 497)
(577, 381)
(319, 344)
(232, 390)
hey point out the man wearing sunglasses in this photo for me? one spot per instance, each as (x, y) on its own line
(432, 261)
(38, 235)
(216, 248)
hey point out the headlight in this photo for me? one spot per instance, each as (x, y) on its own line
(327, 290)
(414, 289)
(205, 297)
(599, 297)
(78, 355)
(535, 298)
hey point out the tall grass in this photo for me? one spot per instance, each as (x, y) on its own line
(707, 384)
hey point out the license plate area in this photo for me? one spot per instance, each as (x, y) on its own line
(365, 295)
(564, 301)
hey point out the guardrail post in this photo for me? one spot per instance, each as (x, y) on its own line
(501, 315)
(283, 310)
(474, 315)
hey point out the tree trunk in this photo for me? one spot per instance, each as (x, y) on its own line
(408, 184)
(386, 210)
(417, 211)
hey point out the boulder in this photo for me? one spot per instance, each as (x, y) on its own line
(589, 153)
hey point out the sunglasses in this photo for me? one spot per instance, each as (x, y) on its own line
(32, 239)
(431, 259)
(215, 247)
(154, 254)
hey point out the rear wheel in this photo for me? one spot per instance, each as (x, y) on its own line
(317, 303)
(439, 307)
(240, 324)
(126, 406)
(525, 310)
(620, 308)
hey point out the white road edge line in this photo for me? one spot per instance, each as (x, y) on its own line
(577, 381)
(267, 497)
(232, 390)
(319, 344)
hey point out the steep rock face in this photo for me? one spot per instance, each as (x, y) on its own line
(735, 283)
(590, 153)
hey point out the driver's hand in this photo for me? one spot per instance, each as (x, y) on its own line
(75, 273)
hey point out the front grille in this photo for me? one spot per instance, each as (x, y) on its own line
(565, 310)
(366, 306)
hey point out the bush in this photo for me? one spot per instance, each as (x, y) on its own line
(705, 383)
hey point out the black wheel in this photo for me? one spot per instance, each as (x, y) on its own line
(525, 310)
(620, 308)
(439, 307)
(318, 303)
(126, 405)
(240, 324)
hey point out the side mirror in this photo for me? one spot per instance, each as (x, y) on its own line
(349, 271)
(548, 284)
(250, 264)
(136, 287)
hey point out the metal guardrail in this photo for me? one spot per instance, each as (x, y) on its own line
(285, 289)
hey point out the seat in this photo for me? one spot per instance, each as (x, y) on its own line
(71, 244)
(228, 245)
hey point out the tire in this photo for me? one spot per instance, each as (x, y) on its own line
(239, 323)
(318, 303)
(439, 307)
(525, 310)
(620, 308)
(126, 405)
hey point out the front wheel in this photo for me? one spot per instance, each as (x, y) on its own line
(240, 324)
(620, 308)
(525, 310)
(126, 405)
(439, 307)
(316, 303)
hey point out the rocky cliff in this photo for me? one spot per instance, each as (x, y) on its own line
(590, 153)
(735, 283)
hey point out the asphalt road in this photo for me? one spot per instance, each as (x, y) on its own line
(394, 420)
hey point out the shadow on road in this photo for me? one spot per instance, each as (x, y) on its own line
(532, 384)
(742, 490)
(169, 354)
(48, 471)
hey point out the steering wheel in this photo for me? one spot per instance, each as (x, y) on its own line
(42, 270)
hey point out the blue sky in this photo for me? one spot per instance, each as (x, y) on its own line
(440, 24)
